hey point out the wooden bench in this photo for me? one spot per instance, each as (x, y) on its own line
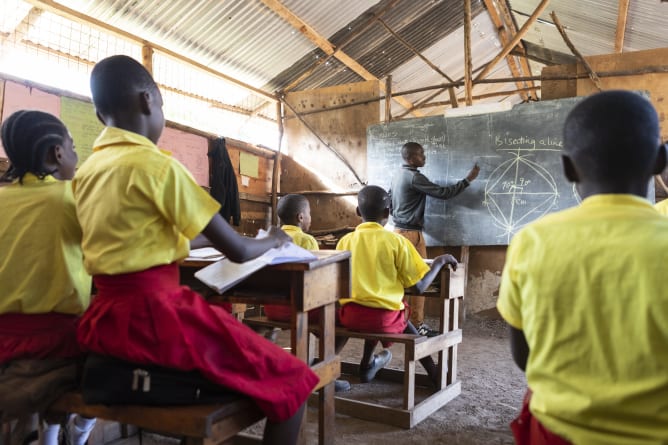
(194, 424)
(416, 347)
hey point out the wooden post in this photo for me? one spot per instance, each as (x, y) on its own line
(388, 98)
(277, 162)
(468, 66)
(147, 58)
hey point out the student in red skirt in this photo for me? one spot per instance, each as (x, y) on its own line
(584, 289)
(384, 265)
(138, 209)
(44, 285)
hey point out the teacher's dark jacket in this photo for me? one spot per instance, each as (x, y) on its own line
(409, 192)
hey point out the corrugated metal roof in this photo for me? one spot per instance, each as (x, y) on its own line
(592, 24)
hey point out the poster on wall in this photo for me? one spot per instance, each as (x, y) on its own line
(20, 97)
(190, 149)
(80, 118)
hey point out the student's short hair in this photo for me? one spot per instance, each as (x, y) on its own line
(115, 80)
(289, 206)
(27, 136)
(408, 149)
(372, 202)
(613, 136)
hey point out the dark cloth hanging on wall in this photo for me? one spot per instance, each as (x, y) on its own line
(223, 181)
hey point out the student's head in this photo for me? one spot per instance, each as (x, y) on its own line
(294, 209)
(373, 204)
(612, 144)
(126, 96)
(413, 154)
(39, 143)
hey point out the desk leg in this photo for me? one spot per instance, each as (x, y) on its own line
(299, 342)
(326, 414)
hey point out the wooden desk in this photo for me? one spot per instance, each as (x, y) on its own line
(303, 286)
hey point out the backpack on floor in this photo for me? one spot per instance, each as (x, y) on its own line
(110, 381)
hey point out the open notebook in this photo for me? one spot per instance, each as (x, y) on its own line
(224, 274)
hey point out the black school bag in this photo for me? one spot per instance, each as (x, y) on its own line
(110, 381)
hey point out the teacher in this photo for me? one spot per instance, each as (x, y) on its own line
(409, 192)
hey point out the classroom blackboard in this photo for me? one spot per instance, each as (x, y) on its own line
(520, 177)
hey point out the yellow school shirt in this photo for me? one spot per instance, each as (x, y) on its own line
(300, 238)
(41, 266)
(662, 207)
(383, 265)
(588, 288)
(138, 206)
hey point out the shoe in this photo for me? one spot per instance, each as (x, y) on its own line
(379, 362)
(341, 385)
(424, 329)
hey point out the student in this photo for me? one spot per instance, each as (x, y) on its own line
(138, 207)
(294, 212)
(384, 265)
(409, 192)
(584, 289)
(44, 285)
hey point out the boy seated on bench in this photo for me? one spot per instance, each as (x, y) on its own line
(384, 265)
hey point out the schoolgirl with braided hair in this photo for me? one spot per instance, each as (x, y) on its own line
(45, 287)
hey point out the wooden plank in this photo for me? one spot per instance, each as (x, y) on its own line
(437, 343)
(373, 412)
(622, 14)
(435, 402)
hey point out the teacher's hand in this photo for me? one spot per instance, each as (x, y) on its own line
(473, 173)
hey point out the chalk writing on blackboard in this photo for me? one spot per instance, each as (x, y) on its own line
(521, 175)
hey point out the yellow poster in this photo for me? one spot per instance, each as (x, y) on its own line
(248, 165)
(80, 119)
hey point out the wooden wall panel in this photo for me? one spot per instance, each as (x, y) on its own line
(312, 165)
(656, 84)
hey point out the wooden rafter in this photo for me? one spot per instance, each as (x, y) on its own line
(622, 14)
(23, 27)
(503, 37)
(512, 29)
(453, 94)
(321, 42)
(56, 8)
(515, 40)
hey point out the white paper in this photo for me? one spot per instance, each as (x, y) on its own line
(205, 252)
(224, 274)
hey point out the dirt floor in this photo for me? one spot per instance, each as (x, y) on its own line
(492, 390)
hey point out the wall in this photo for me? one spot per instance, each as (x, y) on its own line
(312, 166)
(656, 84)
(188, 145)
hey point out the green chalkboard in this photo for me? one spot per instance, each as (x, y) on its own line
(520, 180)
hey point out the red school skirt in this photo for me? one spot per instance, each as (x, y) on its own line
(527, 430)
(147, 317)
(38, 336)
(360, 318)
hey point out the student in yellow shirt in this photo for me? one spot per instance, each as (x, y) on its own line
(294, 212)
(138, 208)
(584, 289)
(384, 265)
(44, 285)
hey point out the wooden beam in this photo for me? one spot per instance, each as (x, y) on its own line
(592, 74)
(516, 38)
(622, 14)
(329, 49)
(147, 58)
(503, 37)
(480, 96)
(275, 176)
(58, 9)
(468, 66)
(414, 50)
(512, 29)
(388, 101)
